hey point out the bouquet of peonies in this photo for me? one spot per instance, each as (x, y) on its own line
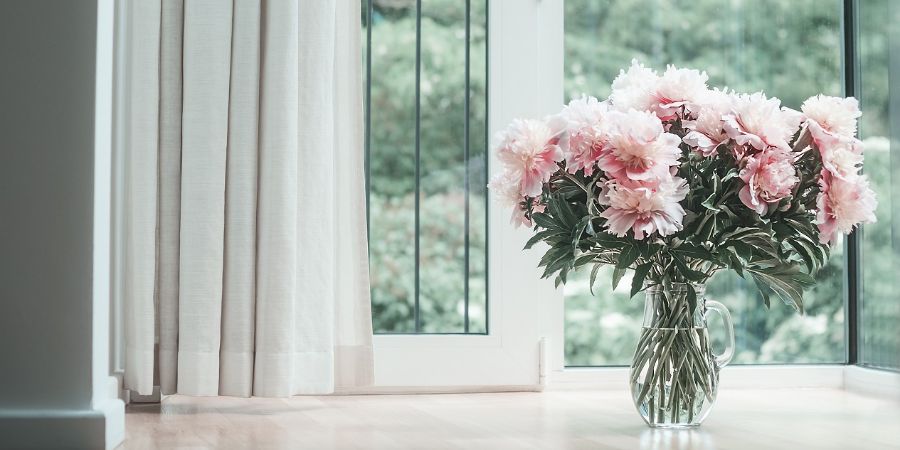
(675, 181)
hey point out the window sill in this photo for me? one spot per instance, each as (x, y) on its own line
(835, 376)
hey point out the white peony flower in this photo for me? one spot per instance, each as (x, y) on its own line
(834, 114)
(642, 89)
(505, 186)
(679, 88)
(634, 89)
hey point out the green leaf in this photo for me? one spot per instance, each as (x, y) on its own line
(742, 233)
(552, 254)
(736, 264)
(691, 298)
(544, 220)
(563, 212)
(786, 281)
(607, 240)
(763, 290)
(561, 278)
(563, 261)
(542, 235)
(640, 274)
(628, 256)
(584, 259)
(579, 230)
(728, 212)
(710, 203)
(743, 251)
(569, 191)
(731, 174)
(708, 229)
(694, 251)
(618, 273)
(807, 253)
(690, 274)
(783, 229)
(594, 276)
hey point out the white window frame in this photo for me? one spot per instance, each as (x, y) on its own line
(525, 37)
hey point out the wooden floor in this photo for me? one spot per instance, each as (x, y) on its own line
(751, 419)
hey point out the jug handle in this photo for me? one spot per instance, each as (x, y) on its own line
(725, 357)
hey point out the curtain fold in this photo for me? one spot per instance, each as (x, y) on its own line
(246, 239)
(169, 188)
(239, 291)
(140, 191)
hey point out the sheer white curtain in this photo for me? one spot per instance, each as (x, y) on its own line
(244, 236)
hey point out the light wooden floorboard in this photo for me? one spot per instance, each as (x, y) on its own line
(742, 419)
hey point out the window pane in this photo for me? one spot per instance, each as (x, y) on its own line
(431, 245)
(477, 166)
(790, 49)
(392, 148)
(880, 252)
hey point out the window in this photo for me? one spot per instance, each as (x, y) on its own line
(426, 106)
(428, 251)
(427, 126)
(791, 49)
(878, 39)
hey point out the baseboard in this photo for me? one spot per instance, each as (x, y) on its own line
(54, 429)
(100, 428)
(113, 411)
(61, 429)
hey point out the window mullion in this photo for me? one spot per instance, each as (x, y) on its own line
(850, 73)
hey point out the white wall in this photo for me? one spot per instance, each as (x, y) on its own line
(54, 125)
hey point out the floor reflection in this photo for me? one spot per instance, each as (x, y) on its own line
(659, 439)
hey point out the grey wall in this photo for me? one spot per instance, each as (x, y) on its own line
(47, 64)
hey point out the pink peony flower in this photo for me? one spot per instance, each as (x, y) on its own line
(843, 204)
(831, 122)
(758, 122)
(769, 176)
(584, 121)
(678, 88)
(529, 150)
(635, 88)
(834, 115)
(637, 148)
(644, 207)
(841, 156)
(707, 130)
